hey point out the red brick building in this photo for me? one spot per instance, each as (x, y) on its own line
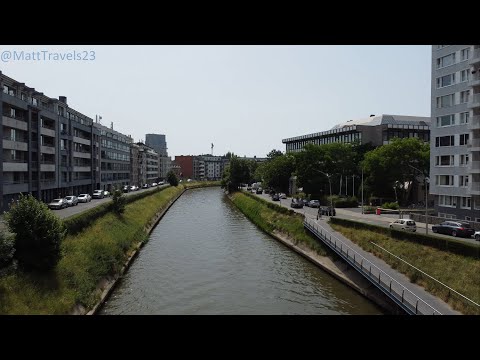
(186, 166)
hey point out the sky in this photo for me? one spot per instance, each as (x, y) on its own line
(243, 99)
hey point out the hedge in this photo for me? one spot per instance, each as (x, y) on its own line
(451, 245)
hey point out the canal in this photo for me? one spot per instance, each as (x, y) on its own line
(206, 257)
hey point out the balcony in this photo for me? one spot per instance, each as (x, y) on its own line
(474, 167)
(47, 149)
(15, 165)
(475, 101)
(17, 123)
(47, 131)
(48, 166)
(81, 154)
(475, 79)
(474, 145)
(15, 145)
(81, 140)
(474, 122)
(82, 168)
(475, 59)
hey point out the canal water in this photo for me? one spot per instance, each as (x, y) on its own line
(206, 257)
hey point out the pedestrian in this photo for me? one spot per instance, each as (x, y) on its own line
(319, 213)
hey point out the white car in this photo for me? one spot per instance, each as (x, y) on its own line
(404, 224)
(154, 184)
(84, 198)
(476, 236)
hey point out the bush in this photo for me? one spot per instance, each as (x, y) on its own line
(391, 205)
(6, 249)
(342, 202)
(38, 233)
(172, 178)
(118, 201)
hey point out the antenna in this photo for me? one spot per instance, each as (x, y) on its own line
(212, 148)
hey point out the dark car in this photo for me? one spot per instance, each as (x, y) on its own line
(276, 197)
(314, 203)
(327, 210)
(454, 228)
(259, 191)
(296, 203)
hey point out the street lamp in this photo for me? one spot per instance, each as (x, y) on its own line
(330, 183)
(426, 180)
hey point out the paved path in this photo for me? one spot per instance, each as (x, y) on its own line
(432, 300)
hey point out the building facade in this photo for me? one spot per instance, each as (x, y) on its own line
(377, 130)
(134, 164)
(48, 149)
(186, 166)
(157, 142)
(147, 165)
(114, 158)
(455, 131)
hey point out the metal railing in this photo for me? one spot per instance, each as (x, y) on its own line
(406, 299)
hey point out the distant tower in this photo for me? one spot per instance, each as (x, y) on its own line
(212, 148)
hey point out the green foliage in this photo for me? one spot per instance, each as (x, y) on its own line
(391, 205)
(118, 201)
(389, 166)
(277, 172)
(172, 178)
(7, 249)
(38, 233)
(238, 172)
(342, 202)
(273, 154)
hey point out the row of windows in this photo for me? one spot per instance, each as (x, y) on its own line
(391, 134)
(109, 144)
(451, 99)
(449, 160)
(117, 137)
(452, 79)
(115, 166)
(452, 58)
(451, 201)
(115, 176)
(450, 180)
(441, 141)
(451, 120)
(111, 155)
(346, 138)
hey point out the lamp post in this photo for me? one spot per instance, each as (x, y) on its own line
(362, 189)
(330, 184)
(426, 180)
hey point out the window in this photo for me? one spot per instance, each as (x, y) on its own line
(444, 180)
(464, 96)
(464, 75)
(24, 97)
(463, 181)
(446, 120)
(464, 139)
(63, 144)
(441, 46)
(5, 89)
(445, 101)
(465, 202)
(445, 160)
(12, 134)
(464, 160)
(445, 141)
(468, 218)
(446, 80)
(446, 61)
(34, 101)
(464, 54)
(447, 200)
(464, 117)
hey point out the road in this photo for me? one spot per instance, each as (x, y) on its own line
(355, 214)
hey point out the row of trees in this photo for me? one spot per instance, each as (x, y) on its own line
(389, 170)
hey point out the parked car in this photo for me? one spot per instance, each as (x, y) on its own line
(154, 184)
(133, 188)
(57, 204)
(404, 224)
(296, 203)
(259, 191)
(161, 183)
(454, 228)
(98, 194)
(276, 197)
(106, 193)
(314, 203)
(477, 235)
(305, 202)
(249, 188)
(126, 189)
(71, 200)
(145, 186)
(84, 198)
(283, 196)
(327, 210)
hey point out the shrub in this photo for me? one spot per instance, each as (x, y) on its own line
(38, 233)
(342, 202)
(6, 249)
(118, 201)
(172, 178)
(391, 205)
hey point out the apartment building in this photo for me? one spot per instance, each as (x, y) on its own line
(134, 164)
(455, 131)
(158, 143)
(114, 157)
(376, 130)
(49, 149)
(147, 165)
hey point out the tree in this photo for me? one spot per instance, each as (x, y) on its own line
(277, 172)
(273, 154)
(119, 201)
(237, 173)
(7, 249)
(389, 167)
(172, 178)
(38, 233)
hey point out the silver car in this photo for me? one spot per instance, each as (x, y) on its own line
(58, 204)
(84, 198)
(71, 200)
(404, 224)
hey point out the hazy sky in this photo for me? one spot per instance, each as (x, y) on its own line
(244, 99)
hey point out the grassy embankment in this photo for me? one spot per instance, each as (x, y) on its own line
(461, 273)
(97, 252)
(197, 184)
(273, 218)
